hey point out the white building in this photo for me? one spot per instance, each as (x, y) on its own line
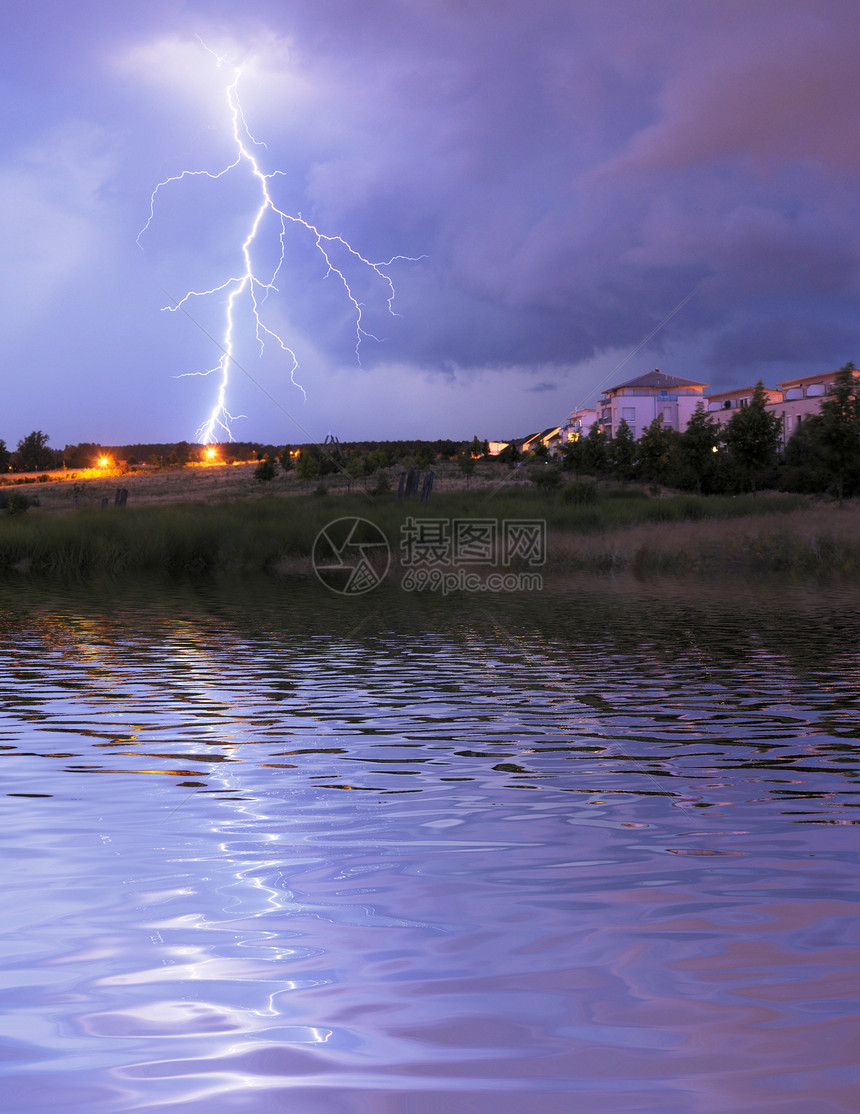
(641, 400)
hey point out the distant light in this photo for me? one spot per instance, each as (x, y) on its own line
(103, 462)
(211, 454)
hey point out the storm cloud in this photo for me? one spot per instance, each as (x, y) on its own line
(567, 174)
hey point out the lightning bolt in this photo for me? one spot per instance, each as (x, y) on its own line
(253, 289)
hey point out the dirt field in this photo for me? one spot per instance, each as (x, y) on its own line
(216, 483)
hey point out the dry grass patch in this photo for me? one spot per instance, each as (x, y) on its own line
(218, 483)
(815, 538)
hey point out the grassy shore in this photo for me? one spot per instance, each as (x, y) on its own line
(261, 531)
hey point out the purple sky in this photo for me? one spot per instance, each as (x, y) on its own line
(571, 172)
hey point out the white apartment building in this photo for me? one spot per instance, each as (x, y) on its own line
(641, 400)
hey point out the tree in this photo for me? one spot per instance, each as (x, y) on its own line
(85, 455)
(5, 457)
(181, 454)
(594, 457)
(33, 454)
(572, 455)
(658, 451)
(466, 463)
(752, 437)
(286, 459)
(805, 466)
(266, 469)
(448, 449)
(698, 444)
(378, 458)
(309, 464)
(353, 469)
(622, 452)
(838, 431)
(315, 461)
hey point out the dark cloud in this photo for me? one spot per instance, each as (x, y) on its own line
(582, 194)
(768, 342)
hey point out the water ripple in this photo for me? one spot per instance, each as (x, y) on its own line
(555, 856)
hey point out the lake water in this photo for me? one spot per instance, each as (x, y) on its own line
(590, 851)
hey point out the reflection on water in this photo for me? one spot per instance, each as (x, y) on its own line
(267, 850)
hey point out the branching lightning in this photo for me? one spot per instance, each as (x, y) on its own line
(248, 285)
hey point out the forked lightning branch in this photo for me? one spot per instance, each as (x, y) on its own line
(249, 288)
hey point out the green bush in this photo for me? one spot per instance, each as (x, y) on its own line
(18, 502)
(545, 477)
(382, 485)
(266, 469)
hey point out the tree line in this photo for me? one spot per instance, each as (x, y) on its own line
(359, 460)
(34, 454)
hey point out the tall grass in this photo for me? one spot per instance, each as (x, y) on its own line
(277, 533)
(807, 542)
